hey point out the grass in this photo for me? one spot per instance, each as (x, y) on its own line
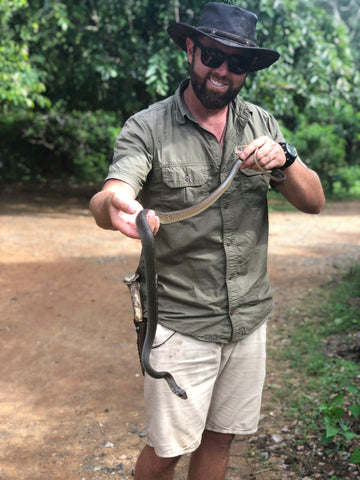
(321, 385)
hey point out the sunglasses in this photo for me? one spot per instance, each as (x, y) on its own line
(213, 58)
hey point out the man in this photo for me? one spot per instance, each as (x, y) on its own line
(213, 288)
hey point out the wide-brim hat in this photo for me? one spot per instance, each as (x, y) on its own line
(229, 25)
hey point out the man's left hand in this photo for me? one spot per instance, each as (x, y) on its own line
(269, 154)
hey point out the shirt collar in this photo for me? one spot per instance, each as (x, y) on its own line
(182, 110)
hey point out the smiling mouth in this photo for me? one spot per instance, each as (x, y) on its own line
(217, 83)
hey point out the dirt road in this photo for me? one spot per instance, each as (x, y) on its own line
(71, 404)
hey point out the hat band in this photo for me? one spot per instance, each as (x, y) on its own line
(228, 36)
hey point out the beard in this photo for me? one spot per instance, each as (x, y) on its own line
(210, 99)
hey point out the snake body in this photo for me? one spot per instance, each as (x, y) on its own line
(148, 245)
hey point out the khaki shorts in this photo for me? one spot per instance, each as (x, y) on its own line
(223, 382)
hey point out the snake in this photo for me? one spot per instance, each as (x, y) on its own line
(148, 247)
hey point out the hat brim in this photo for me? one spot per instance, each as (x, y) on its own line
(265, 57)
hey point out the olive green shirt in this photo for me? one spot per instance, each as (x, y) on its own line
(212, 269)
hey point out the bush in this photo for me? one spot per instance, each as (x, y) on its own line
(75, 146)
(321, 148)
(347, 182)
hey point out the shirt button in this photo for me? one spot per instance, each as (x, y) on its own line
(231, 276)
(226, 206)
(232, 312)
(229, 243)
(187, 178)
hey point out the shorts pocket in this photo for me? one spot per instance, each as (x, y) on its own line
(163, 335)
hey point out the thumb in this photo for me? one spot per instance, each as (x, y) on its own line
(126, 205)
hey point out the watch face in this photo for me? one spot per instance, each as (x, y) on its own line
(291, 150)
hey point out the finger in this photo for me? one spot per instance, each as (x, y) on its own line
(153, 221)
(264, 157)
(250, 149)
(121, 215)
(127, 206)
(267, 155)
(250, 162)
(271, 156)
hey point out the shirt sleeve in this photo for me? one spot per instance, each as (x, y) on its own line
(268, 124)
(133, 154)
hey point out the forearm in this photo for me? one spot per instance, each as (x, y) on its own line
(302, 188)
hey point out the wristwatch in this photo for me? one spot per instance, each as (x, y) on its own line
(290, 154)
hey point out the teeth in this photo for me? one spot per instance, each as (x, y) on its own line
(217, 83)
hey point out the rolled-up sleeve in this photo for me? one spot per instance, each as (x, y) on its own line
(133, 154)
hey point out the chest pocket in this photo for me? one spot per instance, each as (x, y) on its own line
(185, 185)
(254, 188)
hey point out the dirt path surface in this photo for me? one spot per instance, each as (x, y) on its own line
(71, 405)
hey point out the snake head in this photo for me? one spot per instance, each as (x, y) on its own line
(180, 393)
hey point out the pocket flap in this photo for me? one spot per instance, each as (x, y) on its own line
(251, 173)
(185, 176)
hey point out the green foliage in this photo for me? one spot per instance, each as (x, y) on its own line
(336, 414)
(316, 80)
(346, 13)
(327, 402)
(117, 57)
(337, 315)
(347, 182)
(64, 145)
(20, 82)
(355, 457)
(324, 150)
(103, 54)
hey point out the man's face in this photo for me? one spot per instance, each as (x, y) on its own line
(214, 87)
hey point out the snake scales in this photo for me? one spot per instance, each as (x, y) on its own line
(148, 245)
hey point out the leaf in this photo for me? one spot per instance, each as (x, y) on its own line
(339, 399)
(355, 457)
(331, 431)
(334, 414)
(349, 436)
(353, 389)
(355, 410)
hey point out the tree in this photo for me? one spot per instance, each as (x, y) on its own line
(315, 83)
(106, 58)
(20, 82)
(104, 54)
(347, 13)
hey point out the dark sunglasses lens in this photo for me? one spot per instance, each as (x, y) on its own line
(212, 58)
(239, 65)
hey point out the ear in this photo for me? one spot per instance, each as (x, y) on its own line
(190, 49)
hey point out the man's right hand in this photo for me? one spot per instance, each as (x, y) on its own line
(115, 208)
